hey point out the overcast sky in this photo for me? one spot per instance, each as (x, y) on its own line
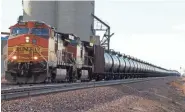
(152, 31)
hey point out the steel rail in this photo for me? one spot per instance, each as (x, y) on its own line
(17, 88)
(8, 94)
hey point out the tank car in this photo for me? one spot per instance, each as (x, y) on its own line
(120, 66)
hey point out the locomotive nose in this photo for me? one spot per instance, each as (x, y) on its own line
(27, 50)
(28, 53)
(28, 47)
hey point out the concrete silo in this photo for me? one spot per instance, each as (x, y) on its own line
(66, 16)
(40, 10)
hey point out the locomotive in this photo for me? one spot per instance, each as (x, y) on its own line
(38, 53)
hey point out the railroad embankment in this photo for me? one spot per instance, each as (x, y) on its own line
(152, 96)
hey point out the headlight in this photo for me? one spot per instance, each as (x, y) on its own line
(27, 39)
(35, 57)
(14, 57)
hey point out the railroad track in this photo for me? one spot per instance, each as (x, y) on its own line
(13, 93)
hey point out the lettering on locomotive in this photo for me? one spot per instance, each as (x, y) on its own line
(33, 49)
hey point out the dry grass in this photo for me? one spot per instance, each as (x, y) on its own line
(179, 84)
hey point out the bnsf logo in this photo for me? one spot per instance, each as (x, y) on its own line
(32, 49)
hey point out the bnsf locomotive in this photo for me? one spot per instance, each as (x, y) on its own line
(38, 53)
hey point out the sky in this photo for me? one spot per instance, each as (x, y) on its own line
(153, 31)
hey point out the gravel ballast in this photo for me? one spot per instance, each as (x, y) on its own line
(63, 102)
(152, 96)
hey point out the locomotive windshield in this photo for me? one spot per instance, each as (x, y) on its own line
(18, 31)
(40, 32)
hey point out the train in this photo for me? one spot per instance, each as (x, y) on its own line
(38, 53)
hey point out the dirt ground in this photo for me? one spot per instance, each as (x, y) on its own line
(161, 95)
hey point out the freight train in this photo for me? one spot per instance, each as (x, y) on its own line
(38, 53)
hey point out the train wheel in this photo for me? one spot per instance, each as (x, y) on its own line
(98, 78)
(70, 74)
(53, 77)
